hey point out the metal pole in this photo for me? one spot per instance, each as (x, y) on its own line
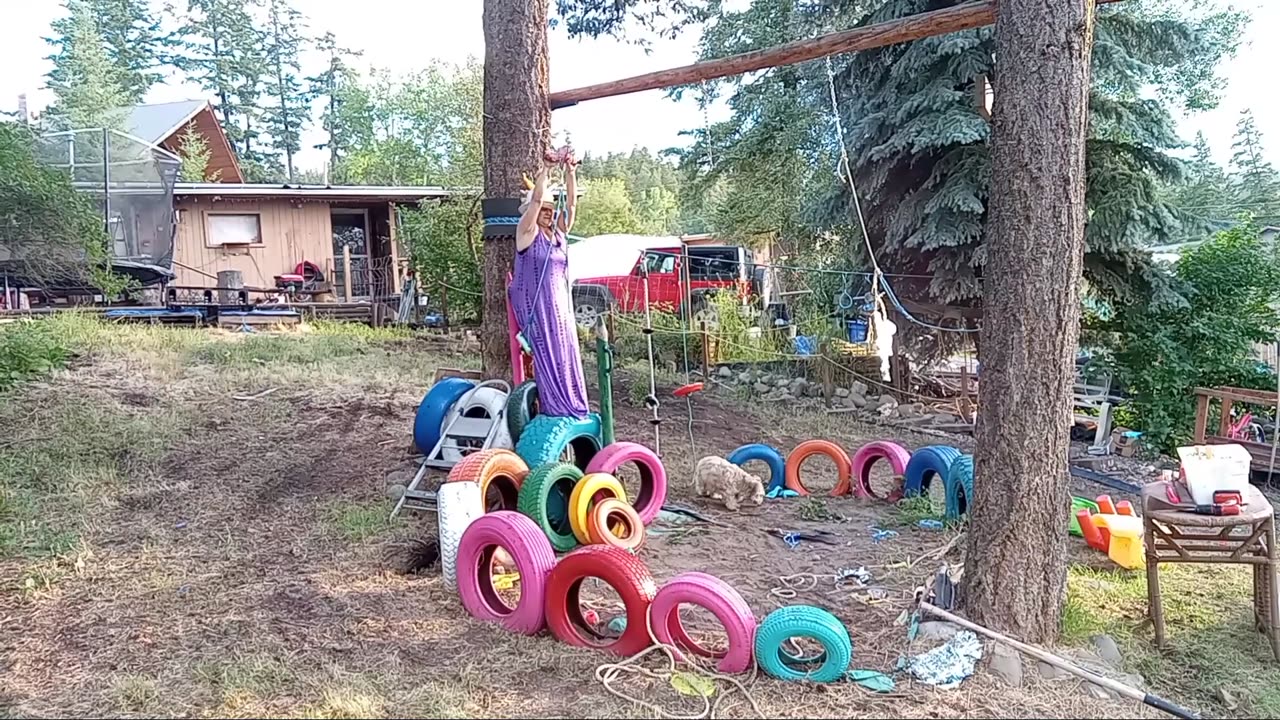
(106, 185)
(652, 400)
(604, 369)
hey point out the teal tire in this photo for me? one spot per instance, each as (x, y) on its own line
(959, 487)
(808, 622)
(522, 408)
(547, 438)
(544, 498)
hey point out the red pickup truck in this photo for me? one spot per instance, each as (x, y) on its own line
(710, 268)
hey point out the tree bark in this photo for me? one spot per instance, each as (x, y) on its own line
(1016, 570)
(517, 135)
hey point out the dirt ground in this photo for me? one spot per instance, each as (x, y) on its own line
(194, 524)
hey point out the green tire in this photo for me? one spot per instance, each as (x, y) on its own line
(544, 498)
(522, 407)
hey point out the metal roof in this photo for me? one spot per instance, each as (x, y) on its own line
(311, 192)
(155, 123)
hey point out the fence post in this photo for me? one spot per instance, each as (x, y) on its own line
(828, 379)
(706, 353)
(346, 272)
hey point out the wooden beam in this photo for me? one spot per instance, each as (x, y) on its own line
(395, 249)
(938, 22)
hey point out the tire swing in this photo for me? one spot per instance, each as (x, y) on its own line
(546, 439)
(533, 558)
(770, 456)
(712, 594)
(428, 422)
(808, 622)
(622, 571)
(926, 464)
(544, 498)
(808, 449)
(499, 470)
(591, 489)
(866, 457)
(959, 487)
(522, 408)
(614, 522)
(653, 476)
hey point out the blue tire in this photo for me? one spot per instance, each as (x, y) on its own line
(546, 438)
(803, 621)
(771, 456)
(429, 422)
(924, 465)
(960, 487)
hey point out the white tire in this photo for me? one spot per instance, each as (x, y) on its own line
(481, 402)
(459, 504)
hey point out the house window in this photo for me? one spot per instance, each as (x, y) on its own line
(234, 229)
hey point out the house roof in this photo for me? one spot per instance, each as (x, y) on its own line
(354, 193)
(155, 123)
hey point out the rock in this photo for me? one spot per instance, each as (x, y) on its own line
(744, 378)
(394, 492)
(798, 386)
(859, 388)
(858, 401)
(843, 393)
(782, 382)
(724, 371)
(400, 477)
(1006, 663)
(760, 388)
(942, 419)
(909, 410)
(938, 630)
(1050, 672)
(814, 390)
(765, 378)
(1228, 698)
(1107, 649)
(888, 401)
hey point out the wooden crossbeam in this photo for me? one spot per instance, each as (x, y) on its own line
(938, 22)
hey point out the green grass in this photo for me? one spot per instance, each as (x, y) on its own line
(360, 521)
(815, 510)
(1211, 641)
(910, 511)
(134, 693)
(258, 675)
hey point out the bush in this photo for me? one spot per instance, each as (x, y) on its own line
(28, 349)
(1161, 354)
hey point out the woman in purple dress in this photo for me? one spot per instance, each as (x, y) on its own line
(539, 296)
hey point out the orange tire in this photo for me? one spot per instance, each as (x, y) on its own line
(614, 522)
(592, 487)
(809, 448)
(497, 469)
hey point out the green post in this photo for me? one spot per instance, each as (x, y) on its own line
(604, 364)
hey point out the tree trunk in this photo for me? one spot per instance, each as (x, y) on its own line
(517, 134)
(1016, 571)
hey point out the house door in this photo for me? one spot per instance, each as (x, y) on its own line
(351, 230)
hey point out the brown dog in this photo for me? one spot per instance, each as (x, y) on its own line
(720, 479)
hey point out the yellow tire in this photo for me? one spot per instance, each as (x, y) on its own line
(584, 495)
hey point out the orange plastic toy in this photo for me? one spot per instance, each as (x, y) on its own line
(1115, 530)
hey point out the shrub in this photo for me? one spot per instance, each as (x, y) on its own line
(28, 349)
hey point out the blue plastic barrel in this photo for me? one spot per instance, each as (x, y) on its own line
(857, 330)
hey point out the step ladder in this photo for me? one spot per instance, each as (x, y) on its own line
(463, 436)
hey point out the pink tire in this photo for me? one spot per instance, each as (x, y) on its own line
(530, 551)
(713, 594)
(866, 457)
(653, 477)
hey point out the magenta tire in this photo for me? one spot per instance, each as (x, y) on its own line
(533, 556)
(653, 476)
(713, 594)
(866, 456)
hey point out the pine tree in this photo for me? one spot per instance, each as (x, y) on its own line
(1204, 199)
(1255, 185)
(193, 151)
(85, 82)
(327, 87)
(222, 53)
(133, 38)
(285, 102)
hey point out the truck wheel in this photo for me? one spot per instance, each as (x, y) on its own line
(587, 310)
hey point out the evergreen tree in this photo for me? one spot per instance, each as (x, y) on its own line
(1255, 185)
(193, 151)
(85, 82)
(327, 87)
(1204, 199)
(285, 102)
(131, 35)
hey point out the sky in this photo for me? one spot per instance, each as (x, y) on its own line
(404, 35)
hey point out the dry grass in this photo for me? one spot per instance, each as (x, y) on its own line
(169, 550)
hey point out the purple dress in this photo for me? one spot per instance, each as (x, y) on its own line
(539, 296)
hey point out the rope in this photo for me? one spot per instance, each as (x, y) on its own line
(607, 673)
(502, 220)
(652, 399)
